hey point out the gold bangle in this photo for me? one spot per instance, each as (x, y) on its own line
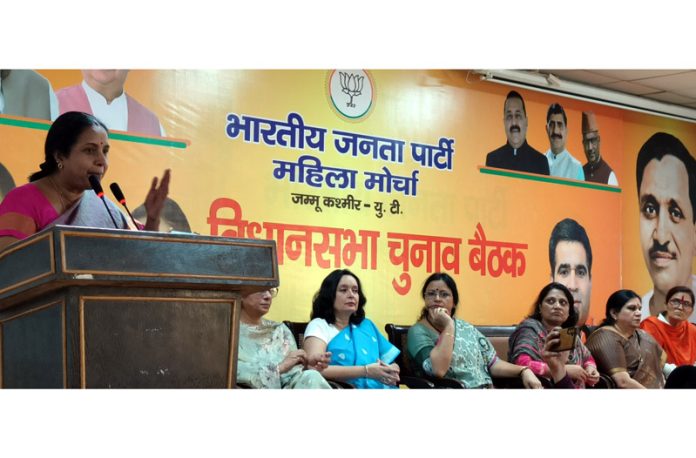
(448, 334)
(366, 374)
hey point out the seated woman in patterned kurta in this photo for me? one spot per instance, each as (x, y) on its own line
(443, 346)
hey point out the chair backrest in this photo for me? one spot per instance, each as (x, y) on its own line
(297, 328)
(398, 335)
(499, 338)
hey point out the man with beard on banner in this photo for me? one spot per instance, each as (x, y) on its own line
(516, 154)
(666, 179)
(561, 163)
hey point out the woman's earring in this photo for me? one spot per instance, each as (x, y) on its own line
(60, 165)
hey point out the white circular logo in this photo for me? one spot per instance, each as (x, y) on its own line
(351, 92)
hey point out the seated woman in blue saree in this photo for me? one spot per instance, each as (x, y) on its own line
(360, 355)
(77, 147)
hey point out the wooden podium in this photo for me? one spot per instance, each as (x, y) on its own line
(101, 308)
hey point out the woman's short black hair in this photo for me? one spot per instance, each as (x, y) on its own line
(323, 302)
(62, 136)
(615, 303)
(451, 284)
(572, 319)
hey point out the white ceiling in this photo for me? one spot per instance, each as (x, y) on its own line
(677, 87)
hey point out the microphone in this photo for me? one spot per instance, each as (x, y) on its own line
(118, 194)
(96, 186)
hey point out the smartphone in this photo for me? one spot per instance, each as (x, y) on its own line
(568, 336)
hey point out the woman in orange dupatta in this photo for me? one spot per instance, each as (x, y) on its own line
(672, 329)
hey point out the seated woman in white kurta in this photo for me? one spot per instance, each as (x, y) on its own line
(268, 356)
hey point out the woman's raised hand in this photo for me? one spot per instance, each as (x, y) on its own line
(439, 317)
(155, 199)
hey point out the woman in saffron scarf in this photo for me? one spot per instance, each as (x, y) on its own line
(553, 307)
(672, 329)
(77, 147)
(360, 355)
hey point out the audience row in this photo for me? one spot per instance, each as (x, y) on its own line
(545, 350)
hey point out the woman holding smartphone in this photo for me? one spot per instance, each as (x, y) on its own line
(552, 308)
(628, 354)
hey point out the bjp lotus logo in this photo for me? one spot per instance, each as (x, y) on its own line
(351, 93)
(352, 85)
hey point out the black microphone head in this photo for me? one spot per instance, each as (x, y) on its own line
(118, 194)
(94, 182)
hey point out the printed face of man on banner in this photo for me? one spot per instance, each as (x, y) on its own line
(666, 221)
(557, 132)
(570, 256)
(515, 120)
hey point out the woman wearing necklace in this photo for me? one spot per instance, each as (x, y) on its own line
(624, 351)
(360, 355)
(268, 356)
(552, 308)
(76, 147)
(443, 346)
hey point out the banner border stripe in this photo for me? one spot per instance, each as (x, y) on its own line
(113, 135)
(546, 179)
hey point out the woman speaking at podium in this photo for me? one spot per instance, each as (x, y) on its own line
(76, 148)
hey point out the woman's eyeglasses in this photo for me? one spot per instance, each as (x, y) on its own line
(273, 292)
(676, 302)
(433, 294)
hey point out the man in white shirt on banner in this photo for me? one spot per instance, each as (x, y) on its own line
(561, 163)
(102, 94)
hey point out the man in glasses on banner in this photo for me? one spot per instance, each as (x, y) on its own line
(596, 169)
